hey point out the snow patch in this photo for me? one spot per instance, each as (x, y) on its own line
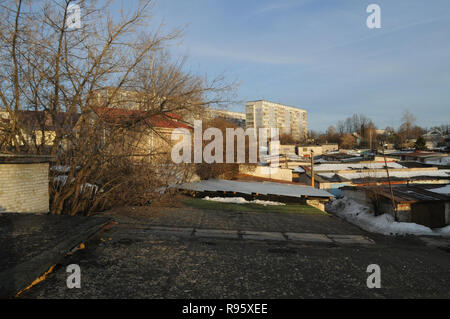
(356, 166)
(385, 224)
(299, 170)
(399, 174)
(60, 168)
(241, 200)
(445, 160)
(441, 190)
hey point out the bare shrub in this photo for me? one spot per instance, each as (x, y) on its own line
(63, 74)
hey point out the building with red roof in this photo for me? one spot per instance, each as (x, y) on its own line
(148, 133)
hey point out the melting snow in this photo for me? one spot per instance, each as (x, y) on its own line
(340, 166)
(398, 174)
(442, 190)
(384, 224)
(439, 161)
(241, 200)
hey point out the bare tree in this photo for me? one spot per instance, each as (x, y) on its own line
(347, 141)
(340, 127)
(58, 71)
(408, 121)
(286, 139)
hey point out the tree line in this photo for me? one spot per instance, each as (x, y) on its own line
(360, 131)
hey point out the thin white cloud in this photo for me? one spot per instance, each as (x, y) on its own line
(269, 8)
(390, 30)
(258, 55)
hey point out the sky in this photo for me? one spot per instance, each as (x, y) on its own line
(321, 56)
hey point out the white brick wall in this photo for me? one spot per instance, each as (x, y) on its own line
(24, 188)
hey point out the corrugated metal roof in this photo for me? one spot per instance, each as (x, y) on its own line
(265, 188)
(444, 173)
(408, 193)
(355, 166)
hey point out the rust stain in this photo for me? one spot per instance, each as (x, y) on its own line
(109, 226)
(36, 281)
(44, 276)
(79, 247)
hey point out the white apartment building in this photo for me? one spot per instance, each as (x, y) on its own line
(235, 117)
(288, 119)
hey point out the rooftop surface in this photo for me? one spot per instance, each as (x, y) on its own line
(409, 193)
(283, 105)
(440, 174)
(149, 254)
(25, 159)
(30, 244)
(355, 166)
(265, 188)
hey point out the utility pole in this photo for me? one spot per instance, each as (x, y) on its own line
(312, 168)
(390, 186)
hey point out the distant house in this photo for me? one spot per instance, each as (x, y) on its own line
(39, 127)
(305, 150)
(420, 156)
(433, 138)
(147, 133)
(150, 134)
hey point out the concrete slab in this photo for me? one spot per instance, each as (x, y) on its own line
(351, 239)
(216, 233)
(260, 235)
(437, 242)
(174, 231)
(306, 237)
(218, 219)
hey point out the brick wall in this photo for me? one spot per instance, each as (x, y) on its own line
(24, 188)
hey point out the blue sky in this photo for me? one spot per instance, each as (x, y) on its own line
(320, 55)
